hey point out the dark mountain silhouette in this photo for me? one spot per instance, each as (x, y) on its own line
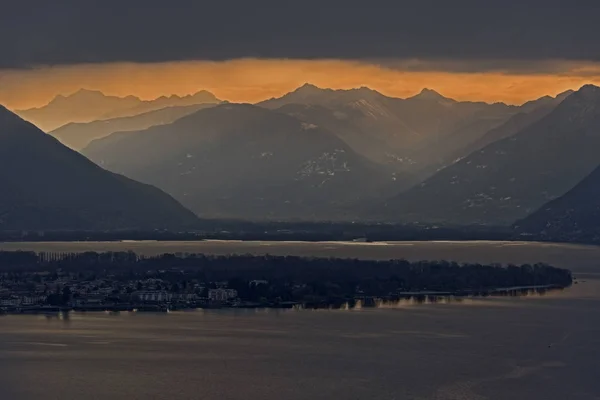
(90, 105)
(78, 135)
(515, 176)
(46, 186)
(575, 216)
(243, 161)
(384, 129)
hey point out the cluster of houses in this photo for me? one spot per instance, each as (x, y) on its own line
(45, 289)
(8, 301)
(214, 295)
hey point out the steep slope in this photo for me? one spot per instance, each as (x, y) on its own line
(243, 161)
(386, 130)
(530, 112)
(46, 186)
(573, 217)
(513, 177)
(78, 135)
(487, 127)
(89, 105)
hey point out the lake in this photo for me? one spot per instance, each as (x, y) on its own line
(498, 348)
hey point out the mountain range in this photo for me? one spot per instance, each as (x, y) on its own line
(514, 176)
(323, 154)
(384, 129)
(206, 162)
(244, 161)
(46, 186)
(89, 105)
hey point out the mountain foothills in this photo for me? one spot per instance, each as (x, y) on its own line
(515, 176)
(244, 161)
(46, 186)
(89, 105)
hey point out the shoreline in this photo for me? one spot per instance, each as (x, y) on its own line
(12, 243)
(357, 302)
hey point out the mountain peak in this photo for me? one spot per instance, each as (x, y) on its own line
(204, 95)
(309, 88)
(589, 89)
(429, 94)
(586, 95)
(87, 93)
(201, 92)
(81, 94)
(364, 89)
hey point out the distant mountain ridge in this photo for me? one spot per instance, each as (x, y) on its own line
(201, 97)
(46, 186)
(386, 130)
(78, 135)
(91, 105)
(247, 162)
(513, 177)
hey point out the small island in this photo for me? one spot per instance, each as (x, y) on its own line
(54, 282)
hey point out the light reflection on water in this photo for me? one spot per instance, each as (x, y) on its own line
(537, 347)
(533, 346)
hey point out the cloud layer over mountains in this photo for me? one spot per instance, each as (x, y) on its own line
(40, 32)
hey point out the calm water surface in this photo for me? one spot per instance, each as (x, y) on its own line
(506, 348)
(581, 258)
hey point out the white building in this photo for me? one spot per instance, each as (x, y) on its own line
(33, 300)
(154, 297)
(10, 302)
(221, 295)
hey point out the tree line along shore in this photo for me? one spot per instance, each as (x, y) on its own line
(117, 281)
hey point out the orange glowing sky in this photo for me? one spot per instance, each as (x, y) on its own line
(252, 80)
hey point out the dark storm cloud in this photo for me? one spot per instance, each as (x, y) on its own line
(40, 32)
